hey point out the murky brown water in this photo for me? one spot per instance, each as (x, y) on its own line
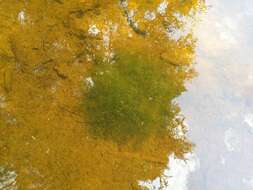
(47, 50)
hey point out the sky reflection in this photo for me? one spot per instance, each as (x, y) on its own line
(218, 104)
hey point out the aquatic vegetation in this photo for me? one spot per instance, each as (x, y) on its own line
(131, 98)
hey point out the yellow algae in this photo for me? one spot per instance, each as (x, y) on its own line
(48, 48)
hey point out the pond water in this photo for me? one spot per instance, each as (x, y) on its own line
(218, 103)
(106, 95)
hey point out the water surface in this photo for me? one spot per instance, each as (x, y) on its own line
(218, 104)
(77, 114)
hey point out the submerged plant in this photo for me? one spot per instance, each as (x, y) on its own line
(131, 98)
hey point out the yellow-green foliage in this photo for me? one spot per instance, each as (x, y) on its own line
(131, 98)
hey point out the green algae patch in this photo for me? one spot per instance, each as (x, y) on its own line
(130, 98)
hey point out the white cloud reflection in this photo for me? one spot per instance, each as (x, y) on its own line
(175, 177)
(218, 104)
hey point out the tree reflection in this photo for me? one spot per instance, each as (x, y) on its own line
(48, 49)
